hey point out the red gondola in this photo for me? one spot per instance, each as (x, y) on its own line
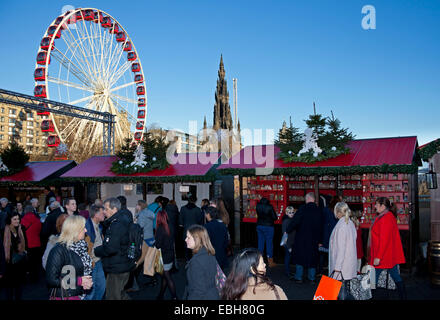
(140, 90)
(120, 37)
(40, 74)
(114, 29)
(138, 78)
(58, 21)
(43, 113)
(141, 102)
(97, 17)
(135, 67)
(131, 56)
(141, 114)
(51, 31)
(45, 42)
(106, 22)
(140, 125)
(127, 46)
(41, 57)
(78, 15)
(47, 126)
(53, 141)
(88, 14)
(138, 136)
(40, 91)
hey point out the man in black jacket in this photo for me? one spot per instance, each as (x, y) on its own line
(308, 223)
(189, 215)
(265, 228)
(218, 235)
(114, 250)
(124, 209)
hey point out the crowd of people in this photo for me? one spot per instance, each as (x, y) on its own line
(321, 237)
(85, 252)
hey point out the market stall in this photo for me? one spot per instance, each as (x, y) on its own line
(373, 168)
(190, 173)
(32, 180)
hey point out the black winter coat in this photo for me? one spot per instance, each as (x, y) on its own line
(2, 258)
(4, 214)
(49, 226)
(308, 222)
(114, 249)
(266, 214)
(59, 257)
(127, 213)
(173, 218)
(165, 242)
(189, 215)
(200, 274)
(218, 234)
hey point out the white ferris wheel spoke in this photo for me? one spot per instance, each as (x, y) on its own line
(124, 98)
(80, 100)
(91, 49)
(81, 47)
(78, 72)
(129, 115)
(120, 72)
(123, 86)
(69, 84)
(73, 45)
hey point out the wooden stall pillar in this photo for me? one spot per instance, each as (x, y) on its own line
(435, 200)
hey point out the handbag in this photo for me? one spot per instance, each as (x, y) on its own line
(385, 281)
(360, 286)
(158, 262)
(18, 257)
(149, 261)
(328, 289)
(220, 279)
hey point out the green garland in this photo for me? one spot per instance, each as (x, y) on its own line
(141, 179)
(428, 151)
(323, 171)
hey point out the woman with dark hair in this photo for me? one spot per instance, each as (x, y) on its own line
(14, 245)
(248, 281)
(384, 244)
(201, 270)
(165, 242)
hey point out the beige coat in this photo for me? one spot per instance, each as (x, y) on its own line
(262, 292)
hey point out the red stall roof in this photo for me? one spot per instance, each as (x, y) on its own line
(40, 170)
(186, 164)
(363, 152)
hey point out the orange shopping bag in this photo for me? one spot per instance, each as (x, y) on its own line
(328, 289)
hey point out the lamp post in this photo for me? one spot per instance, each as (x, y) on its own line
(431, 178)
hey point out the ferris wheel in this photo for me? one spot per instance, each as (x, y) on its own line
(87, 59)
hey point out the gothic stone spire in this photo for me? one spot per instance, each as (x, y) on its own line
(222, 110)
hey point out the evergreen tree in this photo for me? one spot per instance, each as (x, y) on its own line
(14, 157)
(336, 136)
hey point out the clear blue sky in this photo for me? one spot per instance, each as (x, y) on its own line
(285, 55)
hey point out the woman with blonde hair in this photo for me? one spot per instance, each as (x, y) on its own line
(70, 252)
(342, 249)
(202, 268)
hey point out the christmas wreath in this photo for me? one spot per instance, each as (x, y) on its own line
(148, 155)
(13, 159)
(322, 139)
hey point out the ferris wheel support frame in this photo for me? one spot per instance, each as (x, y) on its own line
(30, 102)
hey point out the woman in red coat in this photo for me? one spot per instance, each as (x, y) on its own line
(385, 247)
(32, 227)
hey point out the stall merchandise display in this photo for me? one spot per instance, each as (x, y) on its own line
(358, 191)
